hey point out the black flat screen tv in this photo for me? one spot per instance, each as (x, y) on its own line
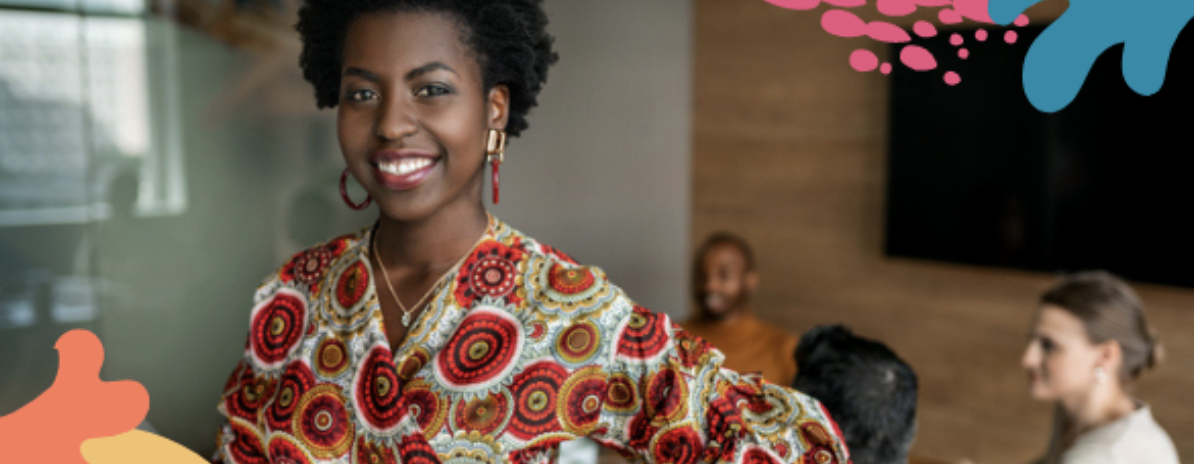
(977, 175)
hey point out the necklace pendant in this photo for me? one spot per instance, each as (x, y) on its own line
(406, 319)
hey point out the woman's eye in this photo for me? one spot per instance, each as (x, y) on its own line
(432, 91)
(1047, 345)
(362, 95)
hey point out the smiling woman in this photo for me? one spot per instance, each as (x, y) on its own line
(510, 347)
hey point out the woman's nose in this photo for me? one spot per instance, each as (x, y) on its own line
(396, 121)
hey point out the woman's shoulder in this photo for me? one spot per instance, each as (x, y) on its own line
(306, 269)
(1135, 438)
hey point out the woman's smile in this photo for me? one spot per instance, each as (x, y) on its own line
(402, 169)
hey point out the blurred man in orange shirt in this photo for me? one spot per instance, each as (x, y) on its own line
(725, 278)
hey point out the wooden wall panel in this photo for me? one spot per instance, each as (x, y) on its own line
(789, 151)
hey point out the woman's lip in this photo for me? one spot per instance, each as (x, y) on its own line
(404, 181)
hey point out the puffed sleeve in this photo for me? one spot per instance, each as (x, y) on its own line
(252, 384)
(669, 400)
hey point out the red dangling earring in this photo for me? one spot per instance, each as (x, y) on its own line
(344, 194)
(495, 148)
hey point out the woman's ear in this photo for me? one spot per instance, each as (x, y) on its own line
(1111, 356)
(498, 107)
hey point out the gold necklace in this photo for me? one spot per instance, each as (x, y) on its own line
(405, 312)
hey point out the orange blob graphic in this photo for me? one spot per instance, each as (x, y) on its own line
(77, 407)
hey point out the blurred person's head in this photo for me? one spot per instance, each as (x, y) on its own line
(724, 276)
(1090, 332)
(868, 390)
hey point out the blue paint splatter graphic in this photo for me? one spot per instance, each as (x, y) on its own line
(1059, 60)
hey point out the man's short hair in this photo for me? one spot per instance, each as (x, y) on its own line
(726, 238)
(868, 390)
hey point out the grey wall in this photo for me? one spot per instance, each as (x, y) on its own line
(603, 172)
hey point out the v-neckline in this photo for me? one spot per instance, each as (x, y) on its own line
(416, 326)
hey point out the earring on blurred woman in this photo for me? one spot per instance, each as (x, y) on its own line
(495, 148)
(344, 194)
(1100, 374)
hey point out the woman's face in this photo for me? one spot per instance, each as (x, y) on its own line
(413, 113)
(1060, 359)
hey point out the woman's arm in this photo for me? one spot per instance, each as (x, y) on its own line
(668, 399)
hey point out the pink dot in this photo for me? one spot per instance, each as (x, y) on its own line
(955, 39)
(963, 53)
(885, 68)
(948, 16)
(981, 35)
(843, 23)
(1021, 21)
(887, 32)
(952, 78)
(862, 60)
(916, 57)
(795, 4)
(924, 29)
(1010, 37)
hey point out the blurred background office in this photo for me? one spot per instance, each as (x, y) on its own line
(158, 159)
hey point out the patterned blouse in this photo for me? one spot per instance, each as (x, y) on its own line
(520, 350)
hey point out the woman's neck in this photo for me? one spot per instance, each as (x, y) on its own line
(434, 242)
(1104, 404)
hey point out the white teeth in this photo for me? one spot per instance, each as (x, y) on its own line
(404, 167)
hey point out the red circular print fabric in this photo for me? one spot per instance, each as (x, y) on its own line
(376, 391)
(535, 392)
(321, 422)
(352, 284)
(681, 445)
(245, 447)
(570, 280)
(621, 394)
(489, 272)
(759, 456)
(483, 349)
(414, 449)
(296, 381)
(644, 336)
(331, 358)
(582, 397)
(373, 453)
(248, 399)
(483, 415)
(307, 267)
(578, 342)
(666, 394)
(277, 326)
(284, 451)
(413, 363)
(429, 409)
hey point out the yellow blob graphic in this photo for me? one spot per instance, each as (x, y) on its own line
(137, 447)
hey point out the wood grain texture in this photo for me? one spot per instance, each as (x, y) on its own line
(790, 151)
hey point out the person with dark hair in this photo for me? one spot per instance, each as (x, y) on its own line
(1090, 341)
(724, 277)
(868, 390)
(441, 334)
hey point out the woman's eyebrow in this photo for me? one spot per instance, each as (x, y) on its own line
(367, 75)
(432, 66)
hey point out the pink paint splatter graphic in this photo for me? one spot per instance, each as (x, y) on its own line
(924, 29)
(848, 24)
(916, 57)
(863, 60)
